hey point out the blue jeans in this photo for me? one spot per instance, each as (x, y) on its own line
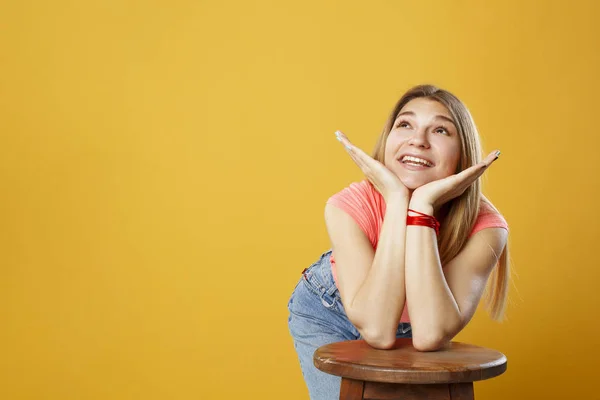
(316, 318)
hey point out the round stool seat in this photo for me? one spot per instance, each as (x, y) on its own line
(453, 368)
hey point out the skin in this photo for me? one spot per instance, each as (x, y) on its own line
(374, 284)
(422, 128)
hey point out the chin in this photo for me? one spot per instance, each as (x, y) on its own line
(412, 183)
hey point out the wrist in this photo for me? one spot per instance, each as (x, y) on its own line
(421, 207)
(423, 218)
(397, 198)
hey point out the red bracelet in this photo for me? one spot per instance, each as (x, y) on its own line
(423, 220)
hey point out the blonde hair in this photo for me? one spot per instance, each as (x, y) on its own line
(460, 212)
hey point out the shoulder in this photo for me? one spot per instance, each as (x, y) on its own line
(356, 194)
(360, 201)
(488, 217)
(363, 188)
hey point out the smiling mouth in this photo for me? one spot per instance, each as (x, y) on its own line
(415, 162)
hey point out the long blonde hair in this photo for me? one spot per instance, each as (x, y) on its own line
(461, 212)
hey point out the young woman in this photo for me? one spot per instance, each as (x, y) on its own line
(413, 245)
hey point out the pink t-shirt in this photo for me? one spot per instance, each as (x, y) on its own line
(367, 207)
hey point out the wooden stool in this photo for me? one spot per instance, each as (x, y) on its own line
(405, 373)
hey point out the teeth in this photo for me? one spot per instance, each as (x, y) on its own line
(416, 160)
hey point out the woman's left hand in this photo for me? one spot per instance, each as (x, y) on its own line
(429, 197)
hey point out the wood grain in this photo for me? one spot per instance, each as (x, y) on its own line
(458, 362)
(352, 389)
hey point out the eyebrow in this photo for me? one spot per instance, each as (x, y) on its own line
(436, 117)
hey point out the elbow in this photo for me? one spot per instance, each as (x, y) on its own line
(433, 338)
(429, 343)
(381, 343)
(379, 340)
(374, 335)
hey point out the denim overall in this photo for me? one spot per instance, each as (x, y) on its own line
(316, 318)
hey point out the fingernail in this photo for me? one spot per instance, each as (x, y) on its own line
(498, 154)
(348, 147)
(337, 133)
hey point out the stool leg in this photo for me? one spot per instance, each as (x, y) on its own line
(407, 391)
(351, 389)
(462, 391)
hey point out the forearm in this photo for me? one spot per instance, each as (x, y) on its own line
(431, 305)
(379, 302)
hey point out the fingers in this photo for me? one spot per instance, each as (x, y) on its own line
(355, 153)
(352, 149)
(478, 169)
(465, 178)
(493, 156)
(374, 171)
(345, 141)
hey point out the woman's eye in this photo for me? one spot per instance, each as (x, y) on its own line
(402, 124)
(442, 130)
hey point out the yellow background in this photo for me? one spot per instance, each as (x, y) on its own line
(164, 168)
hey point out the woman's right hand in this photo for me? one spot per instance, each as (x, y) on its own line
(384, 180)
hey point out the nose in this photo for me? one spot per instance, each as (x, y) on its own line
(419, 139)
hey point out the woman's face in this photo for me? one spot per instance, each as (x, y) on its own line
(423, 145)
